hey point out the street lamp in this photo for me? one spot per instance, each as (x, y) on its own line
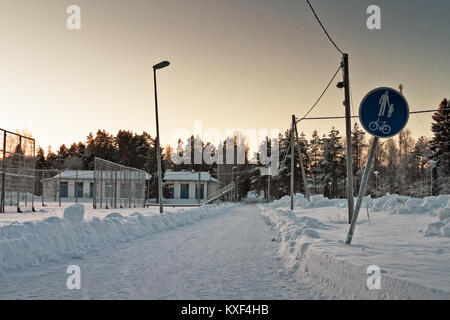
(376, 173)
(432, 164)
(158, 66)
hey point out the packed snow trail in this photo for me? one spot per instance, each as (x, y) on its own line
(230, 256)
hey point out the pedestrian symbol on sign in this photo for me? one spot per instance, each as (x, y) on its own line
(384, 100)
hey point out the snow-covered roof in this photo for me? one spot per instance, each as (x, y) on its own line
(72, 174)
(84, 174)
(188, 176)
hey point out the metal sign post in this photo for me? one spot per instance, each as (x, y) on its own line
(362, 189)
(383, 113)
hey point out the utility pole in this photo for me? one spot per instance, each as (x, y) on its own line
(268, 186)
(348, 130)
(292, 162)
(302, 167)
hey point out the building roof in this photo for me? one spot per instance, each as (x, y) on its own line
(84, 174)
(188, 176)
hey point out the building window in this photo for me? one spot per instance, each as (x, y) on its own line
(184, 191)
(200, 187)
(91, 190)
(170, 189)
(79, 189)
(64, 189)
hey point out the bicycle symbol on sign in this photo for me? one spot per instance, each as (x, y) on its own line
(380, 125)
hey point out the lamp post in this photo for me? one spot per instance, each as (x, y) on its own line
(158, 66)
(432, 164)
(376, 173)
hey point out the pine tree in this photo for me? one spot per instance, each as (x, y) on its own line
(440, 147)
(332, 163)
(306, 158)
(358, 149)
(41, 162)
(416, 185)
(315, 147)
(393, 184)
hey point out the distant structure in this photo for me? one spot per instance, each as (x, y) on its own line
(186, 186)
(80, 184)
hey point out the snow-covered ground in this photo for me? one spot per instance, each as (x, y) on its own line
(230, 255)
(407, 238)
(255, 250)
(33, 239)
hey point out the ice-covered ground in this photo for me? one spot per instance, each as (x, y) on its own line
(407, 238)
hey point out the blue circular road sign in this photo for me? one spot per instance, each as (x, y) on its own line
(384, 112)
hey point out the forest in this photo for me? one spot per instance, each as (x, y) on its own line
(402, 163)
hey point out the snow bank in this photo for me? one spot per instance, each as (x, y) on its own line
(444, 213)
(306, 247)
(317, 201)
(442, 227)
(350, 280)
(390, 203)
(34, 242)
(395, 204)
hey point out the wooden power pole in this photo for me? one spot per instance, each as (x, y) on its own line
(292, 161)
(348, 131)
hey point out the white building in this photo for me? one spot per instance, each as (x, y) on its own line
(80, 184)
(70, 181)
(186, 186)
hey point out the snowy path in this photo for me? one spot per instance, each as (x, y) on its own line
(225, 257)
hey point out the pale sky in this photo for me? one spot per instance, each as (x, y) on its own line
(235, 64)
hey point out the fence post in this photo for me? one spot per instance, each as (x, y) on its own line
(3, 199)
(18, 189)
(43, 188)
(59, 187)
(101, 188)
(115, 189)
(75, 186)
(94, 191)
(34, 179)
(129, 190)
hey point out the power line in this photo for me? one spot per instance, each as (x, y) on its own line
(284, 160)
(326, 32)
(342, 117)
(320, 97)
(237, 172)
(421, 123)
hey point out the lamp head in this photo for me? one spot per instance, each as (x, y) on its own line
(161, 65)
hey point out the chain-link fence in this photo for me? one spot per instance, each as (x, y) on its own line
(53, 187)
(117, 186)
(17, 175)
